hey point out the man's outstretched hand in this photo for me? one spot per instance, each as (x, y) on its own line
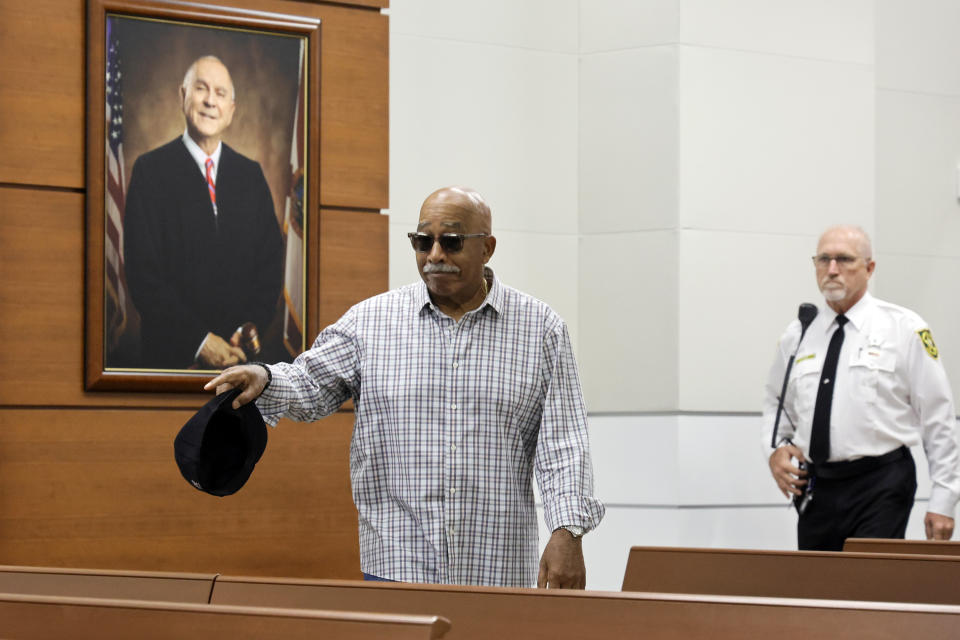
(252, 378)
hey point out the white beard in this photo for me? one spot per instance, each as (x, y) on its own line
(834, 294)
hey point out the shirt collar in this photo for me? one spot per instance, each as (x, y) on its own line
(494, 299)
(856, 315)
(200, 156)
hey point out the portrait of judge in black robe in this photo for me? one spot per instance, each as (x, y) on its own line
(202, 247)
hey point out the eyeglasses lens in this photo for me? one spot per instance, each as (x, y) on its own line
(423, 243)
(451, 243)
(842, 260)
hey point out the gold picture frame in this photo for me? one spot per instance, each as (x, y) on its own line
(145, 308)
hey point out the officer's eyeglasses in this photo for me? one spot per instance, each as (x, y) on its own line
(823, 260)
(449, 242)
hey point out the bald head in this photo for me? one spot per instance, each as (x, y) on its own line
(851, 233)
(207, 99)
(464, 201)
(191, 74)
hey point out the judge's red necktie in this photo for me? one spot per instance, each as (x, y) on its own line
(210, 186)
(820, 433)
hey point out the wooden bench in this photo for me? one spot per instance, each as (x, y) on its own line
(795, 574)
(31, 617)
(921, 547)
(535, 614)
(102, 583)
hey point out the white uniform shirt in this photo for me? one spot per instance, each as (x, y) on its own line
(890, 390)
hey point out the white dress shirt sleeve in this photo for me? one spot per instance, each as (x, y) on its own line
(932, 399)
(772, 389)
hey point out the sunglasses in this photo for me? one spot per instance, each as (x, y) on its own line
(449, 242)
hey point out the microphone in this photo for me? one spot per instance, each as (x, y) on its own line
(805, 314)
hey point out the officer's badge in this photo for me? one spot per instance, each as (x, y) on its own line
(927, 339)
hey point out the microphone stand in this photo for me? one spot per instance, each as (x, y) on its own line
(805, 314)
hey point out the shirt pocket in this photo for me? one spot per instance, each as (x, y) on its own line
(868, 367)
(805, 378)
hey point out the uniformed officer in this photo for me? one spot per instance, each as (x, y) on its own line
(867, 383)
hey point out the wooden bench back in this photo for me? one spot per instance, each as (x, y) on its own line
(794, 574)
(477, 613)
(102, 583)
(31, 617)
(920, 547)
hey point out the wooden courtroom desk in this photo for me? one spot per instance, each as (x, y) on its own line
(54, 618)
(103, 583)
(795, 574)
(536, 614)
(921, 547)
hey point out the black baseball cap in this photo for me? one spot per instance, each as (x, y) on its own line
(218, 447)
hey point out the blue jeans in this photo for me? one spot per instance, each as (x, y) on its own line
(373, 578)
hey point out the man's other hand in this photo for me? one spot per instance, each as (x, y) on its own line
(217, 353)
(938, 526)
(561, 566)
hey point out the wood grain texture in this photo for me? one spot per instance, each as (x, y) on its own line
(104, 583)
(88, 478)
(41, 92)
(917, 547)
(480, 613)
(42, 305)
(52, 618)
(354, 106)
(372, 4)
(100, 488)
(832, 575)
(353, 260)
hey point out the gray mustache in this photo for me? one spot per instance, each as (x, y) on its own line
(439, 267)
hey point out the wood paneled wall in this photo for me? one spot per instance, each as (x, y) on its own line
(88, 479)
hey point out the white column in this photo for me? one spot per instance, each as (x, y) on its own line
(918, 165)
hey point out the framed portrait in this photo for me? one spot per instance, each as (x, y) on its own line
(202, 188)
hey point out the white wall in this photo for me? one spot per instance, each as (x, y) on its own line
(918, 155)
(659, 171)
(485, 94)
(724, 137)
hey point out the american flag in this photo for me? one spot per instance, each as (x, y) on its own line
(293, 229)
(115, 283)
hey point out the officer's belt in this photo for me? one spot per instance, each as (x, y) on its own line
(850, 468)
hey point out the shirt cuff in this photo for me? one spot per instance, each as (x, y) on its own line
(270, 401)
(942, 501)
(581, 511)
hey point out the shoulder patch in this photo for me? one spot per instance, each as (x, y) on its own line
(927, 339)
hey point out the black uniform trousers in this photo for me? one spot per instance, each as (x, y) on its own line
(875, 504)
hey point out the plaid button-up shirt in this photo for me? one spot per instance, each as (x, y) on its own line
(451, 420)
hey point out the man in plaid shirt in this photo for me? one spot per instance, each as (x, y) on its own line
(463, 387)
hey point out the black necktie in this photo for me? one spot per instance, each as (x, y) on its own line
(820, 434)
